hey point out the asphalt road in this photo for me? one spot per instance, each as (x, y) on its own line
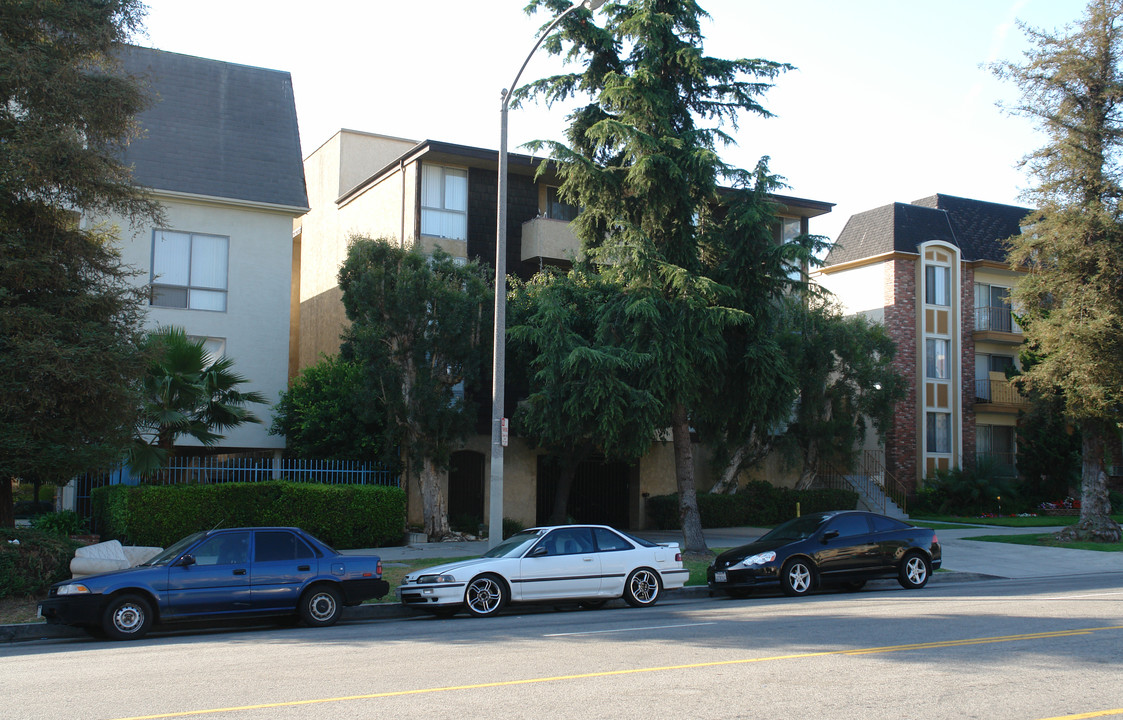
(1034, 648)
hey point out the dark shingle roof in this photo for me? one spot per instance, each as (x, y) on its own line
(976, 227)
(979, 226)
(216, 129)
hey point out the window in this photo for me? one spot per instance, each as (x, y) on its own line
(273, 545)
(444, 202)
(608, 540)
(787, 230)
(225, 549)
(992, 309)
(936, 358)
(849, 525)
(938, 435)
(215, 348)
(937, 285)
(569, 541)
(189, 270)
(556, 209)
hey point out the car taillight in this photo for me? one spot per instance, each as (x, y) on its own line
(678, 557)
(935, 540)
(378, 569)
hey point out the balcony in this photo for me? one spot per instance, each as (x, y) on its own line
(549, 241)
(997, 324)
(995, 395)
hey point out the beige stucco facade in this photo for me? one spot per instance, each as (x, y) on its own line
(370, 185)
(254, 328)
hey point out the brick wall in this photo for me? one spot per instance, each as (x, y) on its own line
(901, 441)
(967, 363)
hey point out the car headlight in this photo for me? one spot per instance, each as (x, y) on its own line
(429, 579)
(74, 589)
(758, 559)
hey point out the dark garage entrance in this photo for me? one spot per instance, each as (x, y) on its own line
(466, 491)
(599, 494)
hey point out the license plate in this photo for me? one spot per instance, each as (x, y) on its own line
(719, 576)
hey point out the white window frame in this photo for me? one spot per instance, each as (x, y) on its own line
(197, 292)
(439, 216)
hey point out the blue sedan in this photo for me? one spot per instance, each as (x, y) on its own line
(238, 572)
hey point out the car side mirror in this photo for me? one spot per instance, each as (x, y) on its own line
(186, 561)
(830, 535)
(539, 551)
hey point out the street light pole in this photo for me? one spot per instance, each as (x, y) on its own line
(499, 341)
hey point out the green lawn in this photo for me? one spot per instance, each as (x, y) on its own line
(1047, 540)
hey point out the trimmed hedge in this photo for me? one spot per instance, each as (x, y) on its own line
(344, 516)
(35, 563)
(757, 503)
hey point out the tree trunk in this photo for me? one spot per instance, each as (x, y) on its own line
(693, 539)
(727, 482)
(1095, 510)
(433, 504)
(7, 501)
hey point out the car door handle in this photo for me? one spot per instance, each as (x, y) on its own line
(304, 567)
(587, 559)
(240, 571)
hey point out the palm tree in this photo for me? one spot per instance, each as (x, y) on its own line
(186, 393)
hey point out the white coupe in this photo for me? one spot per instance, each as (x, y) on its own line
(587, 564)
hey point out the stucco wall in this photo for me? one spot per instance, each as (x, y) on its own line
(255, 325)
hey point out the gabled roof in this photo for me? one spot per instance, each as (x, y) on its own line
(216, 129)
(976, 227)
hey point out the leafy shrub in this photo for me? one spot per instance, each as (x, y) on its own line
(31, 566)
(757, 503)
(511, 526)
(967, 491)
(31, 508)
(345, 516)
(63, 522)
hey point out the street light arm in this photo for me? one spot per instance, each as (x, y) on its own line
(499, 337)
(587, 4)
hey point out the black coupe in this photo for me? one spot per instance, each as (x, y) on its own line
(843, 548)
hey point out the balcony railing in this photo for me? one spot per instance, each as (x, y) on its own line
(998, 392)
(997, 319)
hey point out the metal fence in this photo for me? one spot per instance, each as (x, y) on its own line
(206, 470)
(870, 479)
(210, 470)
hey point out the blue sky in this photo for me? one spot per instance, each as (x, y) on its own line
(889, 101)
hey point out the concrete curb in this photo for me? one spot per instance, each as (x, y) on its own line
(27, 632)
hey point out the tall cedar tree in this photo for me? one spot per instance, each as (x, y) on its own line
(645, 171)
(1072, 295)
(418, 325)
(70, 320)
(584, 399)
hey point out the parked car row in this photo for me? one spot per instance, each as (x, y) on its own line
(256, 572)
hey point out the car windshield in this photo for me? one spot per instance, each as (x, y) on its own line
(799, 528)
(515, 545)
(172, 552)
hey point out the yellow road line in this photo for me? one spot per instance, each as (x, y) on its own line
(1081, 716)
(636, 671)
